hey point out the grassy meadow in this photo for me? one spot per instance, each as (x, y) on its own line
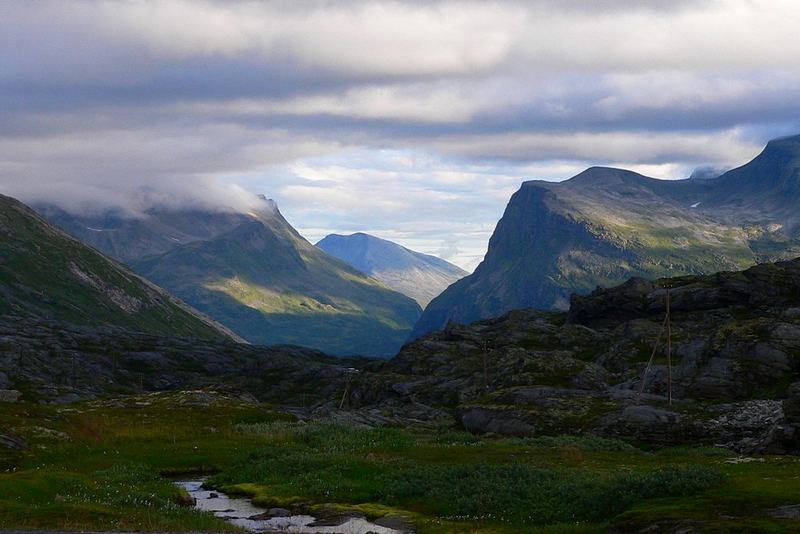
(109, 465)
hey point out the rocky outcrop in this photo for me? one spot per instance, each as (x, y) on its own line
(735, 351)
(51, 361)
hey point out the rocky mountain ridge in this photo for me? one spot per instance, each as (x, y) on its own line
(606, 225)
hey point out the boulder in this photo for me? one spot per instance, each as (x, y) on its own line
(9, 395)
(506, 422)
(10, 441)
(791, 405)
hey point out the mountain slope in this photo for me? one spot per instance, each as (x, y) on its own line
(129, 239)
(606, 225)
(419, 276)
(47, 274)
(269, 285)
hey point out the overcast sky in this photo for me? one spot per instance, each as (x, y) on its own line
(411, 120)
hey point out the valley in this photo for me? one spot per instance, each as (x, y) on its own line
(546, 420)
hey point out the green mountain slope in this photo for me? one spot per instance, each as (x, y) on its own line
(271, 286)
(420, 276)
(48, 274)
(606, 225)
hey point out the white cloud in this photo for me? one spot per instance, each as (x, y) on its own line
(414, 120)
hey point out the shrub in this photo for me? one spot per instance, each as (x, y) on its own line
(522, 494)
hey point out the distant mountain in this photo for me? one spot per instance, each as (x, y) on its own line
(47, 274)
(129, 239)
(255, 274)
(606, 225)
(419, 276)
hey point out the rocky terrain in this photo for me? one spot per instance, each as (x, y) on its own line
(254, 273)
(50, 361)
(736, 365)
(419, 276)
(606, 225)
(47, 274)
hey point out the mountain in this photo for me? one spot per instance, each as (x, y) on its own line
(255, 274)
(419, 276)
(606, 225)
(47, 274)
(128, 238)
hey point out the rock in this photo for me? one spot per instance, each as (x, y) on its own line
(10, 441)
(647, 423)
(9, 395)
(395, 522)
(791, 406)
(332, 521)
(278, 512)
(505, 422)
(213, 495)
(791, 511)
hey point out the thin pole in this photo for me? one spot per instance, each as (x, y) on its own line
(669, 350)
(652, 357)
(344, 395)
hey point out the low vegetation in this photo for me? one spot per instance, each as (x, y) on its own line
(109, 465)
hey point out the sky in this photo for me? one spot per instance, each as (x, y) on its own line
(414, 121)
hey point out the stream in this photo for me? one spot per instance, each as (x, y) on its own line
(241, 512)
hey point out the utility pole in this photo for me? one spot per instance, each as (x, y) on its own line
(669, 348)
(349, 373)
(665, 326)
(486, 365)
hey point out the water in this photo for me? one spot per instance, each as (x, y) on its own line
(240, 512)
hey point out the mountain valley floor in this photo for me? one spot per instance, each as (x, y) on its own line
(108, 464)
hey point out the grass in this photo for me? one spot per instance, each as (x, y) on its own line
(108, 466)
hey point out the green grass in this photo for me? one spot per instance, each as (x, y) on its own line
(104, 467)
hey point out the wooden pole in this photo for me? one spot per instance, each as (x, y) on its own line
(652, 357)
(669, 350)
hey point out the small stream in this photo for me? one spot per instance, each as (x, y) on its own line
(242, 513)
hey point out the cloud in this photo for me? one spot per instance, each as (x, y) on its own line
(414, 119)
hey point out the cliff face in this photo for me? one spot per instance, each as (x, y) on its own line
(606, 225)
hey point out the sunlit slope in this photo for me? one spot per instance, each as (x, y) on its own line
(48, 274)
(269, 285)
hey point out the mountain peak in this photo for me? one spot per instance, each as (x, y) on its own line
(417, 275)
(790, 142)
